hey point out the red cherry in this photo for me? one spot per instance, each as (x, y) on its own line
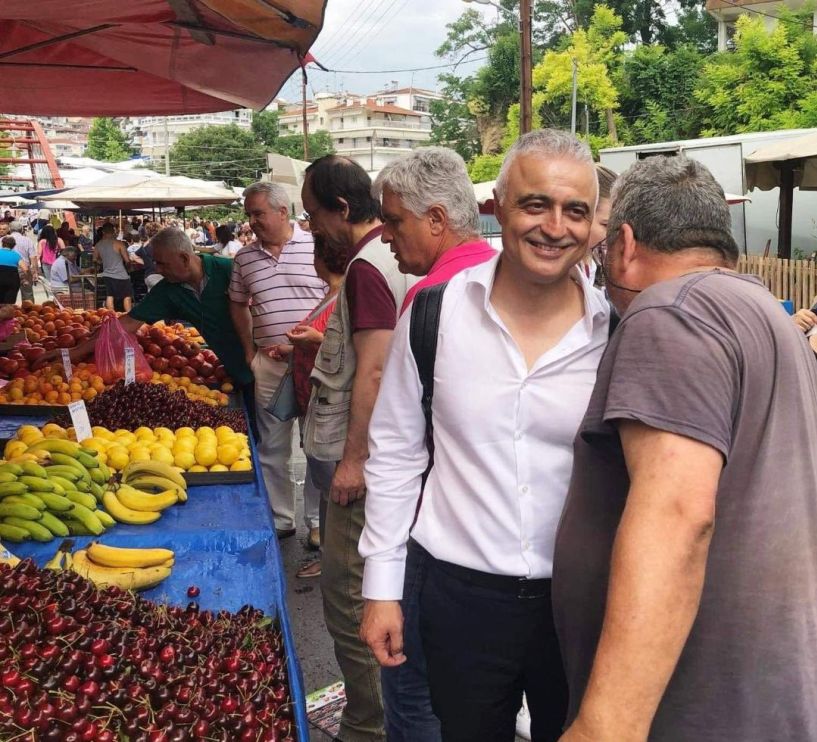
(193, 591)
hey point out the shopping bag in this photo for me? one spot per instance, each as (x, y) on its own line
(284, 405)
(109, 354)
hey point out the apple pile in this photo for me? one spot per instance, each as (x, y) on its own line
(53, 327)
(170, 352)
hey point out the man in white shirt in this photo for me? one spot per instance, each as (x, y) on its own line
(520, 339)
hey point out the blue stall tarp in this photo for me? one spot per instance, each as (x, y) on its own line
(225, 544)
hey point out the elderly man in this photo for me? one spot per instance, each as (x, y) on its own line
(274, 286)
(520, 338)
(348, 367)
(431, 222)
(194, 289)
(685, 583)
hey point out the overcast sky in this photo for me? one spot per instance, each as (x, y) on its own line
(381, 35)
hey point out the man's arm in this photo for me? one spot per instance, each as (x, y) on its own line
(656, 578)
(242, 321)
(370, 347)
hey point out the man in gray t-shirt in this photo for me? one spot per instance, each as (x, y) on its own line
(685, 570)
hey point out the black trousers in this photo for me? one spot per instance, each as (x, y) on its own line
(9, 285)
(484, 647)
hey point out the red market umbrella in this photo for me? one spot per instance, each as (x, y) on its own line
(150, 57)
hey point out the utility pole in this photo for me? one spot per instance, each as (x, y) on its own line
(167, 149)
(526, 82)
(303, 113)
(573, 98)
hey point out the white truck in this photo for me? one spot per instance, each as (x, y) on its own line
(754, 222)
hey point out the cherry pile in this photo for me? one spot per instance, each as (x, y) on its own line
(80, 664)
(130, 406)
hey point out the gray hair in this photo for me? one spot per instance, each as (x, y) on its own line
(433, 176)
(672, 204)
(173, 239)
(275, 193)
(16, 226)
(549, 142)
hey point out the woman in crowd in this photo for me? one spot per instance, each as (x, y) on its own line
(113, 254)
(48, 249)
(305, 339)
(226, 244)
(11, 263)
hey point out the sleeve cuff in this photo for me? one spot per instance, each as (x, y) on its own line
(383, 580)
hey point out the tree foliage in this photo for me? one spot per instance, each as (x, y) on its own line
(106, 141)
(452, 123)
(227, 153)
(292, 145)
(265, 127)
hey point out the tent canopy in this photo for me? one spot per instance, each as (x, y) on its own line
(763, 166)
(150, 57)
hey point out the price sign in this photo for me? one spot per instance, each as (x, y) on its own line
(66, 364)
(80, 420)
(130, 366)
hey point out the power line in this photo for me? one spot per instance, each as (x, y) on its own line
(377, 30)
(402, 69)
(361, 27)
(337, 36)
(375, 25)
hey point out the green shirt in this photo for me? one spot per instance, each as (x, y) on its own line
(210, 313)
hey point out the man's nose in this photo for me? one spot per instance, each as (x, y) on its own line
(553, 223)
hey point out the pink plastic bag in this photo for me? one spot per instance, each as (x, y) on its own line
(6, 328)
(109, 354)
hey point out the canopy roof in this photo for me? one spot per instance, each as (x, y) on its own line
(763, 166)
(150, 57)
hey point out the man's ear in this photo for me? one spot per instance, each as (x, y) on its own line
(344, 210)
(497, 207)
(438, 219)
(629, 246)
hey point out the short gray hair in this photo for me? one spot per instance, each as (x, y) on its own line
(16, 226)
(433, 176)
(275, 193)
(173, 239)
(672, 204)
(549, 142)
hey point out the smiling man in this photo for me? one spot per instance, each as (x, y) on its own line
(520, 338)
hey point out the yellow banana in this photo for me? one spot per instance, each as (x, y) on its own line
(15, 469)
(6, 557)
(113, 556)
(124, 514)
(156, 484)
(56, 562)
(33, 469)
(127, 578)
(12, 488)
(55, 445)
(154, 468)
(138, 500)
(65, 460)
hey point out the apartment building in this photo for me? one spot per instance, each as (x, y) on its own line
(727, 12)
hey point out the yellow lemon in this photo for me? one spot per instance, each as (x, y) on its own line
(218, 467)
(184, 432)
(241, 465)
(162, 431)
(206, 454)
(125, 438)
(161, 454)
(185, 443)
(227, 454)
(184, 460)
(144, 434)
(197, 467)
(139, 453)
(205, 430)
(96, 444)
(104, 433)
(14, 448)
(118, 457)
(52, 430)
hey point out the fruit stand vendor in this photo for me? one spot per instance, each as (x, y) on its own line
(194, 289)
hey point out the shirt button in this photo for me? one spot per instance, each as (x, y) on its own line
(517, 436)
(524, 489)
(526, 545)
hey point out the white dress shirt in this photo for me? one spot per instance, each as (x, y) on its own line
(503, 441)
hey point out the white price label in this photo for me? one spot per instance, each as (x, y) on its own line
(66, 364)
(130, 366)
(80, 420)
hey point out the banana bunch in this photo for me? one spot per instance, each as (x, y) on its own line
(128, 569)
(146, 489)
(47, 493)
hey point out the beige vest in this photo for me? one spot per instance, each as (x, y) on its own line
(327, 419)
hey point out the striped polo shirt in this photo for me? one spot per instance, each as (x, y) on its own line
(281, 291)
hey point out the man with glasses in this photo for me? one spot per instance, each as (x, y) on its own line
(685, 568)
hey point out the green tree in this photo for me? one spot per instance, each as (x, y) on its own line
(320, 144)
(768, 82)
(227, 153)
(485, 167)
(106, 141)
(452, 123)
(265, 128)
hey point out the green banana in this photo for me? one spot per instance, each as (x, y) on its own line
(97, 476)
(104, 518)
(55, 525)
(36, 484)
(66, 472)
(7, 477)
(96, 491)
(88, 519)
(66, 484)
(63, 460)
(13, 533)
(33, 469)
(19, 511)
(82, 485)
(88, 461)
(56, 503)
(14, 469)
(25, 499)
(59, 446)
(12, 488)
(35, 530)
(75, 528)
(106, 472)
(81, 498)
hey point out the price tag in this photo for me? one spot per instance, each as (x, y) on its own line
(130, 366)
(66, 363)
(80, 420)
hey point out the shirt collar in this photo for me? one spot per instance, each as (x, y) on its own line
(366, 239)
(466, 248)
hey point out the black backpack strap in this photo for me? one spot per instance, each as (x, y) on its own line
(614, 319)
(425, 324)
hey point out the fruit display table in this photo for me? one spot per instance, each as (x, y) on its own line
(225, 545)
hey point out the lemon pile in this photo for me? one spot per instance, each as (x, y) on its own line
(202, 450)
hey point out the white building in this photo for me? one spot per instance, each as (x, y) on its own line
(372, 130)
(153, 134)
(727, 12)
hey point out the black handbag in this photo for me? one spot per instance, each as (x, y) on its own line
(283, 405)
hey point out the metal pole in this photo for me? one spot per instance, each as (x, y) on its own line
(167, 149)
(573, 99)
(526, 61)
(371, 151)
(303, 114)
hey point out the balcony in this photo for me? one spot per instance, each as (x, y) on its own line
(378, 124)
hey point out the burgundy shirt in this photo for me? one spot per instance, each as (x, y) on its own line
(379, 310)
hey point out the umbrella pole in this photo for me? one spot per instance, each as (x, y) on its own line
(786, 210)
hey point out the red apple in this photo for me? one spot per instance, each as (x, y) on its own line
(206, 370)
(154, 349)
(34, 352)
(195, 362)
(168, 351)
(160, 364)
(220, 373)
(66, 341)
(178, 362)
(188, 372)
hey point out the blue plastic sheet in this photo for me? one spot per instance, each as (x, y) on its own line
(225, 544)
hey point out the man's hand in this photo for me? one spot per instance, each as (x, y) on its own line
(348, 484)
(805, 319)
(249, 356)
(304, 335)
(382, 630)
(279, 352)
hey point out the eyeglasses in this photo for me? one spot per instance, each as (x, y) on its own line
(599, 252)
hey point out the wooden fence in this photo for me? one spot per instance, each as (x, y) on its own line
(795, 280)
